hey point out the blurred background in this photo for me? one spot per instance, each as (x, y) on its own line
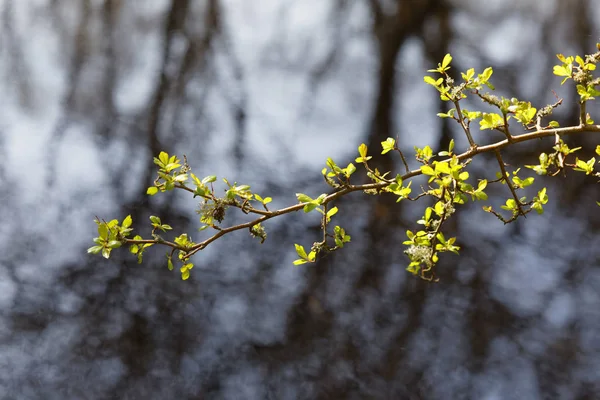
(262, 92)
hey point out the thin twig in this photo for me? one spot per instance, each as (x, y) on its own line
(461, 120)
(508, 182)
(402, 156)
(505, 130)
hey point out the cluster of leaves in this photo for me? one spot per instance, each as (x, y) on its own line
(111, 236)
(448, 184)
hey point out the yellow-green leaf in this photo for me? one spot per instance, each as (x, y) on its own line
(127, 222)
(447, 60)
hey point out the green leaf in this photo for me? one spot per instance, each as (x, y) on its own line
(469, 75)
(127, 222)
(362, 150)
(427, 215)
(471, 115)
(164, 158)
(185, 275)
(446, 61)
(114, 244)
(427, 170)
(439, 208)
(491, 121)
(585, 166)
(266, 200)
(486, 75)
(413, 268)
(332, 212)
(388, 145)
(302, 198)
(301, 252)
(182, 240)
(209, 179)
(95, 249)
(561, 70)
(181, 178)
(103, 230)
(171, 166)
(309, 207)
(349, 170)
(430, 81)
(442, 168)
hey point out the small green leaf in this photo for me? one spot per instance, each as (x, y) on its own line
(164, 158)
(302, 198)
(332, 212)
(486, 75)
(127, 222)
(94, 249)
(301, 252)
(181, 178)
(430, 81)
(491, 121)
(388, 145)
(362, 150)
(349, 170)
(427, 170)
(103, 230)
(446, 61)
(469, 75)
(209, 179)
(561, 70)
(309, 207)
(114, 244)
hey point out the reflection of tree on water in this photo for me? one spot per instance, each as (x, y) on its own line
(94, 89)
